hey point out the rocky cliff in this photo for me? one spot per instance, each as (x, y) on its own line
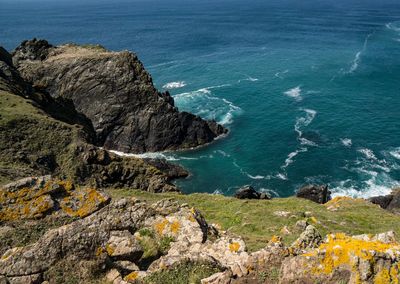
(114, 91)
(42, 135)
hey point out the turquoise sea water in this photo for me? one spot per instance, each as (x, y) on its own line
(309, 89)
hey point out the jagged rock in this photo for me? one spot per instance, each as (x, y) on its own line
(390, 202)
(310, 238)
(171, 170)
(319, 194)
(36, 197)
(123, 245)
(114, 91)
(248, 192)
(341, 258)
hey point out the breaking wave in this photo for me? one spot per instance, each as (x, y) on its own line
(294, 93)
(202, 102)
(174, 85)
(346, 142)
(373, 175)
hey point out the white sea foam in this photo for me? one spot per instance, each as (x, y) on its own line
(346, 142)
(248, 78)
(304, 121)
(174, 85)
(294, 93)
(357, 59)
(202, 102)
(218, 192)
(289, 160)
(368, 153)
(255, 177)
(269, 191)
(282, 176)
(154, 155)
(393, 27)
(279, 74)
(395, 153)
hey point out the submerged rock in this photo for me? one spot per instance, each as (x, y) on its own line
(115, 92)
(317, 193)
(248, 192)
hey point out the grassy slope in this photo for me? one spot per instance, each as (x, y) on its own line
(255, 221)
(27, 133)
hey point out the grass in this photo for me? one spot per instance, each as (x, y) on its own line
(188, 272)
(256, 220)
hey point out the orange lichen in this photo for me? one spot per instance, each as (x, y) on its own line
(99, 251)
(175, 226)
(340, 249)
(275, 239)
(234, 247)
(191, 218)
(160, 226)
(131, 276)
(382, 277)
(109, 249)
(83, 202)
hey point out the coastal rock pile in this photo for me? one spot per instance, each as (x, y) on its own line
(389, 202)
(248, 192)
(317, 193)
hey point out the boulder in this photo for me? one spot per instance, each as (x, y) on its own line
(317, 193)
(36, 197)
(248, 192)
(389, 202)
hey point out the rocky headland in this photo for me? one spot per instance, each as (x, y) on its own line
(73, 212)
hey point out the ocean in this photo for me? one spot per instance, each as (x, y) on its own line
(310, 89)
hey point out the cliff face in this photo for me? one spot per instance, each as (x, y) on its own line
(42, 135)
(114, 91)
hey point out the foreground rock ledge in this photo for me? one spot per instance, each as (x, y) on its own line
(115, 241)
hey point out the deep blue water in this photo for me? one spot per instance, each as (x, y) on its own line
(309, 89)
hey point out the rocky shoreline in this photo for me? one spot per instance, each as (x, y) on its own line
(68, 206)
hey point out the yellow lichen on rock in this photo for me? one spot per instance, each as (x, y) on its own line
(83, 202)
(131, 276)
(160, 226)
(234, 247)
(175, 226)
(340, 249)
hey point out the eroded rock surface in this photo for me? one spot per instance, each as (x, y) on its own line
(317, 193)
(36, 197)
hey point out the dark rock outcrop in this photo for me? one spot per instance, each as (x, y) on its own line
(114, 91)
(317, 193)
(248, 192)
(389, 202)
(42, 135)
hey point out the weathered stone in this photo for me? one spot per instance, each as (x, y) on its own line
(36, 197)
(319, 194)
(123, 245)
(248, 192)
(310, 238)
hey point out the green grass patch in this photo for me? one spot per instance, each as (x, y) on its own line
(187, 272)
(256, 221)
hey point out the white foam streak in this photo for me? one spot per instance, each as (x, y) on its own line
(279, 74)
(346, 142)
(201, 102)
(294, 93)
(357, 59)
(368, 153)
(395, 153)
(174, 85)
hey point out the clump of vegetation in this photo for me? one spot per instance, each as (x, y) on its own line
(257, 221)
(187, 272)
(153, 245)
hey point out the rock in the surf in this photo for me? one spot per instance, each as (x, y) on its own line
(317, 193)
